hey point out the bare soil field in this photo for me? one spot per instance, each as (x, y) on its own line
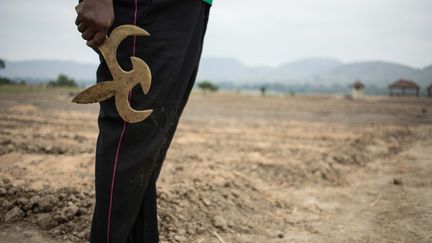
(241, 169)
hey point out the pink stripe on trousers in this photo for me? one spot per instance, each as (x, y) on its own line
(120, 140)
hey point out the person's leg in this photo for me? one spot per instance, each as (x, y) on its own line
(179, 95)
(111, 145)
(146, 226)
(126, 154)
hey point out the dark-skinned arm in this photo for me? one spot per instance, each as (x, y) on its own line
(94, 19)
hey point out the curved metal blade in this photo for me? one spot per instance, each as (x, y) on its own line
(96, 93)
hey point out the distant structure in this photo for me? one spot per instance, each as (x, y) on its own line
(263, 90)
(429, 91)
(404, 87)
(357, 89)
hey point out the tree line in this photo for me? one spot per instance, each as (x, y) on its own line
(61, 80)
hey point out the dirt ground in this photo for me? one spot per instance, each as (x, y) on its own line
(241, 169)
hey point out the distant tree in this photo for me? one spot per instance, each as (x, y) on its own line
(208, 86)
(263, 90)
(63, 81)
(4, 80)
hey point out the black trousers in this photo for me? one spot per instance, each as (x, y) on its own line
(129, 156)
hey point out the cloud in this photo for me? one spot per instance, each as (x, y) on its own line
(256, 32)
(41, 30)
(271, 32)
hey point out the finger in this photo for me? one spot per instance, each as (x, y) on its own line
(79, 19)
(83, 27)
(98, 39)
(88, 34)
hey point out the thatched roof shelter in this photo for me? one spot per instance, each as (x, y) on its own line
(403, 85)
(357, 85)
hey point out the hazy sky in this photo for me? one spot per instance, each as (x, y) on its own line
(254, 31)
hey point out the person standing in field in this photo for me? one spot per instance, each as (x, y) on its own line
(129, 156)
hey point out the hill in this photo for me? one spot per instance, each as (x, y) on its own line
(314, 71)
(310, 71)
(35, 71)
